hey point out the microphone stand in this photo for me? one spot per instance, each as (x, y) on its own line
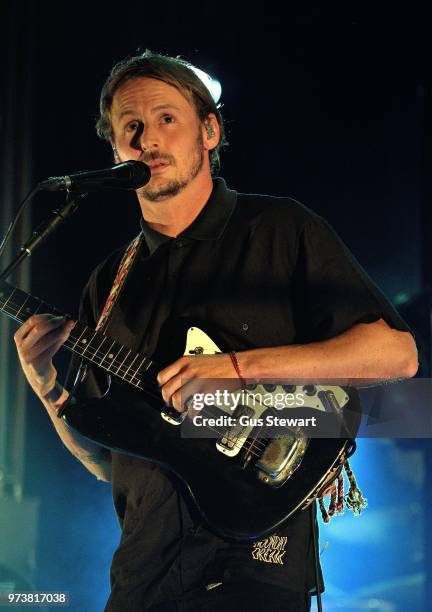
(39, 235)
(45, 229)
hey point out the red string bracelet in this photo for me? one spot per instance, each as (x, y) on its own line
(235, 363)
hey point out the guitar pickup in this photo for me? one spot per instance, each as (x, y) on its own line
(233, 439)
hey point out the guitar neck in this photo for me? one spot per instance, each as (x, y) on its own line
(95, 347)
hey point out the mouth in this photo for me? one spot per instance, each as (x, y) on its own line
(157, 166)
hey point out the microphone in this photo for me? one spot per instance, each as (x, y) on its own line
(128, 175)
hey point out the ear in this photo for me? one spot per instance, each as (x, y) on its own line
(211, 132)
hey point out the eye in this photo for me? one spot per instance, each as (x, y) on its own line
(167, 119)
(132, 126)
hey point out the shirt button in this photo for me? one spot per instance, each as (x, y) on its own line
(245, 326)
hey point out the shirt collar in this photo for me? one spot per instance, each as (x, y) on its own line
(209, 224)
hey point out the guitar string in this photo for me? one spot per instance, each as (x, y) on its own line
(204, 411)
(239, 446)
(74, 339)
(251, 442)
(93, 354)
(96, 353)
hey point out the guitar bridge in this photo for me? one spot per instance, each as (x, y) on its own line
(280, 459)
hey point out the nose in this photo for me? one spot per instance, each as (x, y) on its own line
(147, 139)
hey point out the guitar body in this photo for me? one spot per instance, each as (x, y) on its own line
(228, 492)
(231, 500)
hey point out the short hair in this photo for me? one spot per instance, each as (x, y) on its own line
(171, 70)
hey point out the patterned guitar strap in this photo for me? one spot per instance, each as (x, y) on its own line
(122, 272)
(124, 267)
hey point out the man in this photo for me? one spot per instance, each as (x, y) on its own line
(280, 288)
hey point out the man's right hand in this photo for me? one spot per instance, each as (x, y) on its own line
(37, 341)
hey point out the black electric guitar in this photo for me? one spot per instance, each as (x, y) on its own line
(245, 481)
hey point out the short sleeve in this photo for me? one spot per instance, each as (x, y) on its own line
(331, 291)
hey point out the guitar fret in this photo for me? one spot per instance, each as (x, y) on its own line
(78, 339)
(3, 291)
(39, 305)
(122, 362)
(98, 348)
(9, 311)
(106, 355)
(87, 343)
(114, 358)
(30, 307)
(6, 303)
(129, 367)
(21, 307)
(135, 375)
(83, 344)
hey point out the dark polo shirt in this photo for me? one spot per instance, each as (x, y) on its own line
(262, 271)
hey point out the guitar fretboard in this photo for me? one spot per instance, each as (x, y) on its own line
(84, 341)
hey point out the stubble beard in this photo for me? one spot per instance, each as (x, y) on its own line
(175, 186)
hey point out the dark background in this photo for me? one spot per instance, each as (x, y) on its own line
(322, 103)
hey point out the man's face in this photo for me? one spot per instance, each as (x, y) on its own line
(154, 123)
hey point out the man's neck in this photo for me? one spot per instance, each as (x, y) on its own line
(173, 215)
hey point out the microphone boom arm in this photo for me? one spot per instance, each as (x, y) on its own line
(45, 229)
